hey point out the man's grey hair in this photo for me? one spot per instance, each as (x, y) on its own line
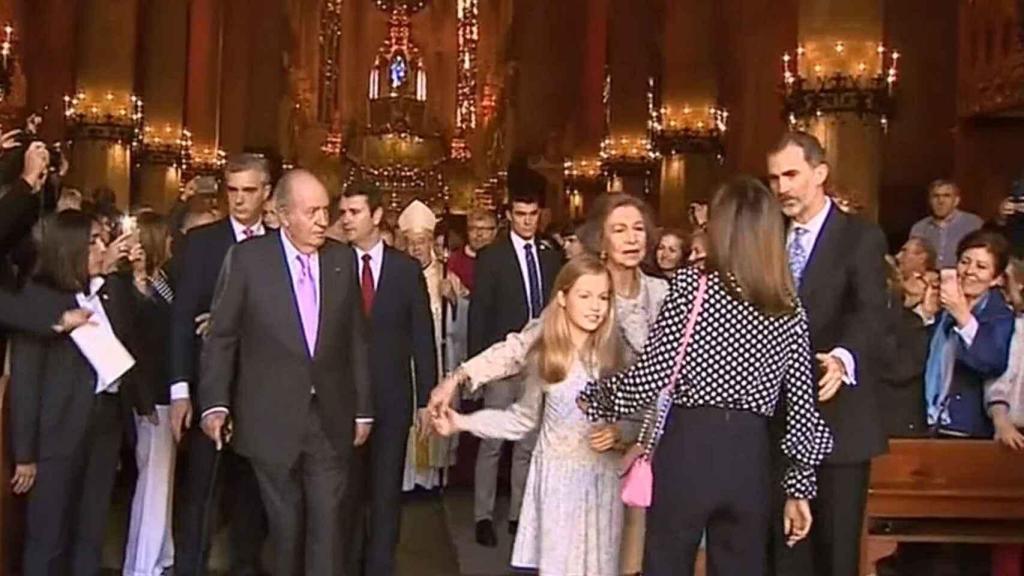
(285, 186)
(245, 162)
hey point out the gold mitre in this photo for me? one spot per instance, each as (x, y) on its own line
(417, 217)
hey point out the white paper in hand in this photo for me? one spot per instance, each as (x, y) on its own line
(108, 357)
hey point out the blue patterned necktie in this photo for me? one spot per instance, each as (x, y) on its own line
(534, 279)
(798, 254)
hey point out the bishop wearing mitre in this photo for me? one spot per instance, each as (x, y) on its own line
(426, 459)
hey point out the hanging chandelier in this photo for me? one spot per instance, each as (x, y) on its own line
(832, 80)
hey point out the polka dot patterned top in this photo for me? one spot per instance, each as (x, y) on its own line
(738, 359)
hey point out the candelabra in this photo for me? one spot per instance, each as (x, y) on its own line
(7, 54)
(688, 131)
(490, 192)
(581, 173)
(165, 147)
(832, 80)
(333, 145)
(409, 6)
(207, 161)
(580, 176)
(624, 157)
(459, 149)
(116, 118)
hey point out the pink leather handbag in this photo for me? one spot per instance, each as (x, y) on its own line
(638, 480)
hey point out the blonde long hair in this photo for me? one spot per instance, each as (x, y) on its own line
(554, 351)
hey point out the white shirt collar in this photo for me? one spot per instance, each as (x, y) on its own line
(239, 229)
(519, 242)
(814, 224)
(290, 251)
(95, 283)
(376, 252)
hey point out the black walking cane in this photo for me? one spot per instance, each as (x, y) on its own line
(204, 528)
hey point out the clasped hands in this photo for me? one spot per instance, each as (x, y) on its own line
(439, 417)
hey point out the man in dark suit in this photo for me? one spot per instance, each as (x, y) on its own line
(838, 265)
(513, 280)
(247, 182)
(286, 357)
(395, 299)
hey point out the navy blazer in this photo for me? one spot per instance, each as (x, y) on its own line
(401, 337)
(985, 359)
(843, 291)
(202, 255)
(498, 304)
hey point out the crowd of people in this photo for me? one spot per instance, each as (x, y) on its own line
(299, 357)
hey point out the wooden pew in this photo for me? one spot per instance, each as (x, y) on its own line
(940, 490)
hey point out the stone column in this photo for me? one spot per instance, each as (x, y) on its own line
(631, 66)
(853, 143)
(162, 85)
(105, 75)
(202, 93)
(582, 180)
(689, 89)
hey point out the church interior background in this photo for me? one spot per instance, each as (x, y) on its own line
(433, 99)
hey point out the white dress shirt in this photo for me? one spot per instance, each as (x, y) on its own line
(813, 227)
(93, 302)
(179, 390)
(519, 245)
(376, 261)
(239, 229)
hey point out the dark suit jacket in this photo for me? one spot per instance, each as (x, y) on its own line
(901, 387)
(255, 360)
(24, 313)
(53, 385)
(201, 257)
(498, 304)
(402, 335)
(843, 291)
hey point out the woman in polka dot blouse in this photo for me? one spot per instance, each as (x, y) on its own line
(750, 348)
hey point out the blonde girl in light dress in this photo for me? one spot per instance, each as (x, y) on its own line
(571, 518)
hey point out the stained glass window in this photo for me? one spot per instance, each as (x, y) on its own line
(398, 71)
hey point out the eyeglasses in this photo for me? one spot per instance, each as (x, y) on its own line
(481, 228)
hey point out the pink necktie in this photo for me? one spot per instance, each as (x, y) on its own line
(305, 292)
